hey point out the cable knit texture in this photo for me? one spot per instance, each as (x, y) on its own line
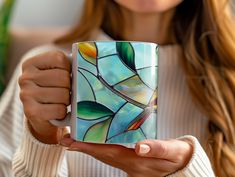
(177, 117)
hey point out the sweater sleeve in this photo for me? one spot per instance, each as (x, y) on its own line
(199, 165)
(11, 116)
(36, 159)
(32, 157)
(11, 121)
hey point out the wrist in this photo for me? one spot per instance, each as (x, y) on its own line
(188, 153)
(45, 134)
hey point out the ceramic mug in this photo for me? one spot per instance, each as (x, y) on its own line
(114, 92)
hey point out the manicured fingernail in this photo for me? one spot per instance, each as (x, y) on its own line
(144, 149)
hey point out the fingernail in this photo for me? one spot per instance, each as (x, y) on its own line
(66, 142)
(144, 149)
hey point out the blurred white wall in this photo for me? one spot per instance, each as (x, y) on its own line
(52, 13)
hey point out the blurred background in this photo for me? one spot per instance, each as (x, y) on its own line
(30, 23)
(25, 24)
(39, 13)
(55, 13)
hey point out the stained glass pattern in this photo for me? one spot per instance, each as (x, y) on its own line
(113, 70)
(117, 91)
(88, 51)
(135, 89)
(104, 51)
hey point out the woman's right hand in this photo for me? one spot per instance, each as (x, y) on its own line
(45, 93)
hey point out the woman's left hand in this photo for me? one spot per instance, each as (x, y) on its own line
(150, 158)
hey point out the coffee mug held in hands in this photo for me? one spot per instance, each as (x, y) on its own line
(114, 92)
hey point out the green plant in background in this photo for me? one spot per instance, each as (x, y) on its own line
(5, 13)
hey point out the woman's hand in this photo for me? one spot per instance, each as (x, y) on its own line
(45, 93)
(150, 158)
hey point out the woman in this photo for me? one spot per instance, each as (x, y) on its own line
(196, 36)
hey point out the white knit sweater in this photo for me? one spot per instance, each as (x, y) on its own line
(177, 117)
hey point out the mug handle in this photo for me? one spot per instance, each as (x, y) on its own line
(62, 123)
(67, 120)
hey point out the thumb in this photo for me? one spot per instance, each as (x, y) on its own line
(162, 149)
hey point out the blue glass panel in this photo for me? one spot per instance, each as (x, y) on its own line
(135, 89)
(84, 90)
(149, 76)
(128, 137)
(149, 126)
(84, 125)
(104, 95)
(113, 70)
(123, 118)
(105, 48)
(86, 65)
(145, 55)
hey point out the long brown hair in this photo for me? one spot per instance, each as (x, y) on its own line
(205, 30)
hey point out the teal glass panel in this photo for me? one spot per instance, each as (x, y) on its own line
(149, 76)
(104, 49)
(103, 95)
(145, 55)
(84, 125)
(149, 126)
(82, 63)
(84, 90)
(132, 136)
(123, 118)
(112, 69)
(135, 89)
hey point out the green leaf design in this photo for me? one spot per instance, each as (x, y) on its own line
(98, 132)
(126, 53)
(88, 51)
(90, 110)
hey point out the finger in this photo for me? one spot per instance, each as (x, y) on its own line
(36, 111)
(44, 95)
(107, 153)
(66, 140)
(51, 95)
(169, 149)
(52, 78)
(48, 60)
(67, 136)
(123, 158)
(97, 149)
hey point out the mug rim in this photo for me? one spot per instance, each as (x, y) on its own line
(141, 42)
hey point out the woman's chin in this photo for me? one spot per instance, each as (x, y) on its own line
(148, 6)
